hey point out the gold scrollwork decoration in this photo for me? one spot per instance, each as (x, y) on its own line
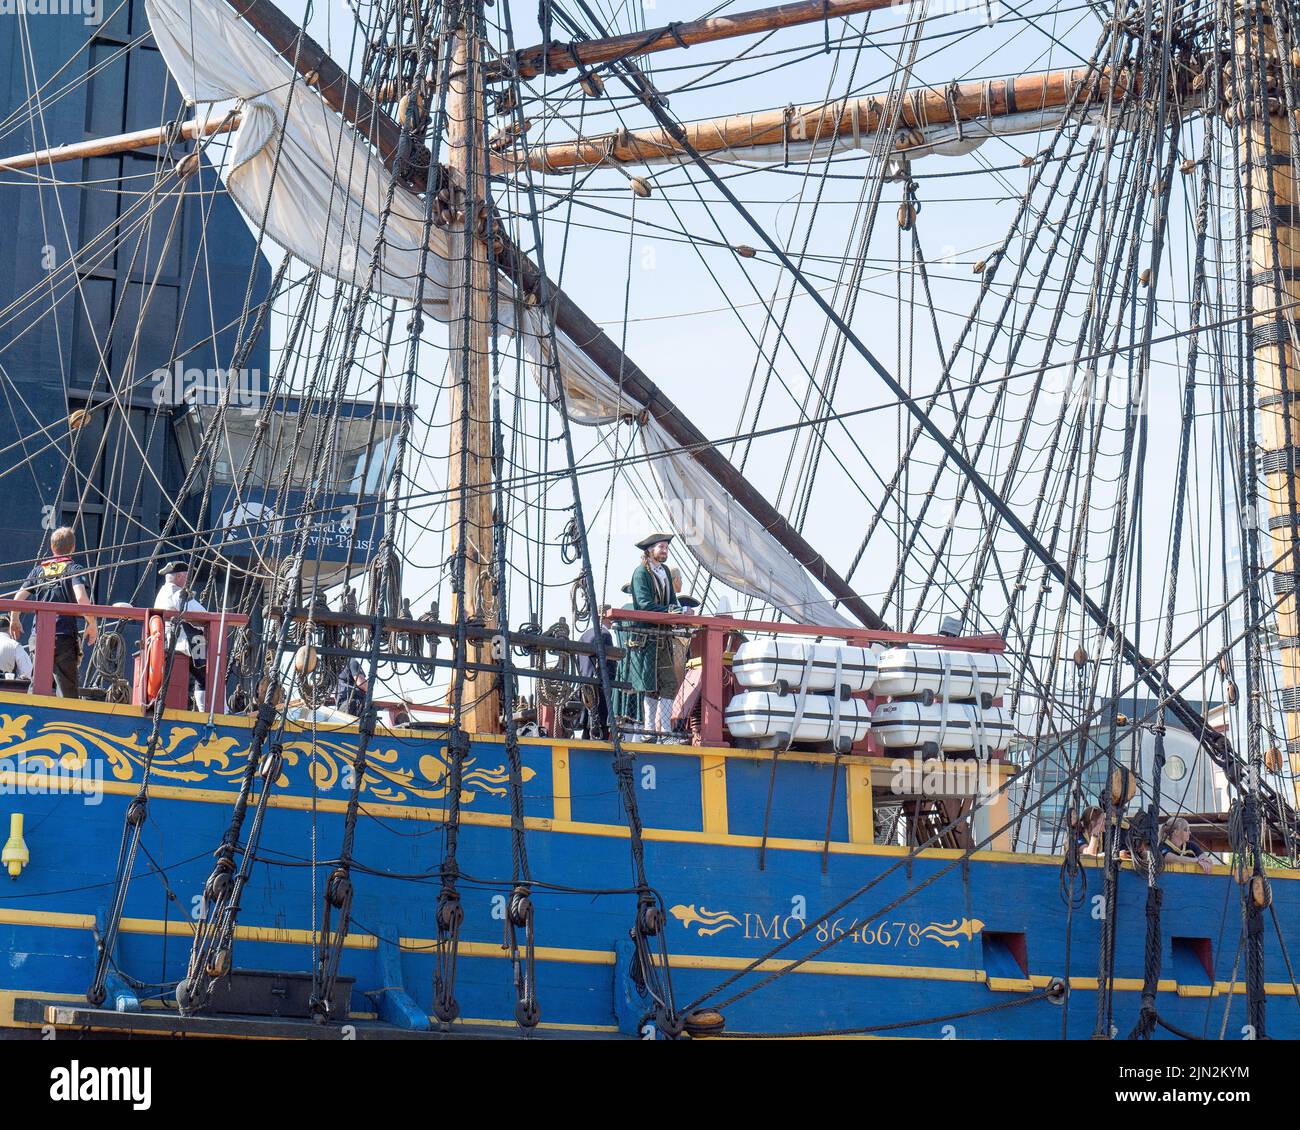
(950, 933)
(183, 756)
(707, 922)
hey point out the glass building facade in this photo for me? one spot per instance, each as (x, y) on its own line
(111, 269)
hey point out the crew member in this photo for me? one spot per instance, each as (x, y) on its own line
(1090, 833)
(14, 660)
(350, 694)
(1178, 842)
(176, 596)
(60, 579)
(596, 718)
(650, 669)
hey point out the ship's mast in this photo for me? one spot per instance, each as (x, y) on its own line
(470, 461)
(1267, 164)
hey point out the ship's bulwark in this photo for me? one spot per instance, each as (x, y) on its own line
(986, 933)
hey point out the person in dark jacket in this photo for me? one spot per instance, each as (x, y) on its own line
(60, 579)
(350, 693)
(595, 723)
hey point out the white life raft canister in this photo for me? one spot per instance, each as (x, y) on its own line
(813, 666)
(934, 672)
(763, 715)
(952, 727)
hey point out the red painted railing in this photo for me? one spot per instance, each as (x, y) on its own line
(217, 627)
(711, 634)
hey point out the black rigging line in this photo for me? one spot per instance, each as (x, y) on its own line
(651, 969)
(1280, 811)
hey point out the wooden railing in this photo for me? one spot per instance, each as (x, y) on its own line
(711, 633)
(216, 629)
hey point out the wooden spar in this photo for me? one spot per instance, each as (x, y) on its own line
(557, 57)
(1267, 153)
(340, 93)
(345, 97)
(470, 467)
(967, 102)
(964, 103)
(118, 143)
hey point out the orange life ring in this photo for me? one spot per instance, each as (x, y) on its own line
(155, 653)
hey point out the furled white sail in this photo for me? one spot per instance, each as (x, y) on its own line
(306, 176)
(728, 540)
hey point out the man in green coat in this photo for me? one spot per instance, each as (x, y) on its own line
(650, 658)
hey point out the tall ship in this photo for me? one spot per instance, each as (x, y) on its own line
(778, 523)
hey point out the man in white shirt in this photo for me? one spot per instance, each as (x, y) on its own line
(14, 660)
(175, 595)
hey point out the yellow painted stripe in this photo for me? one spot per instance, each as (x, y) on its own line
(1010, 984)
(554, 1027)
(245, 722)
(176, 928)
(713, 794)
(862, 821)
(10, 916)
(882, 765)
(495, 949)
(561, 788)
(1134, 985)
(485, 819)
(839, 968)
(19, 781)
(285, 935)
(1273, 988)
(1124, 984)
(121, 710)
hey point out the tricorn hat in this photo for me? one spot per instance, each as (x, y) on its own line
(653, 539)
(174, 567)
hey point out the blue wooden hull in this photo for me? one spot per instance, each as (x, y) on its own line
(978, 939)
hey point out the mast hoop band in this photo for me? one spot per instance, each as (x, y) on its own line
(1280, 331)
(1284, 215)
(1281, 461)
